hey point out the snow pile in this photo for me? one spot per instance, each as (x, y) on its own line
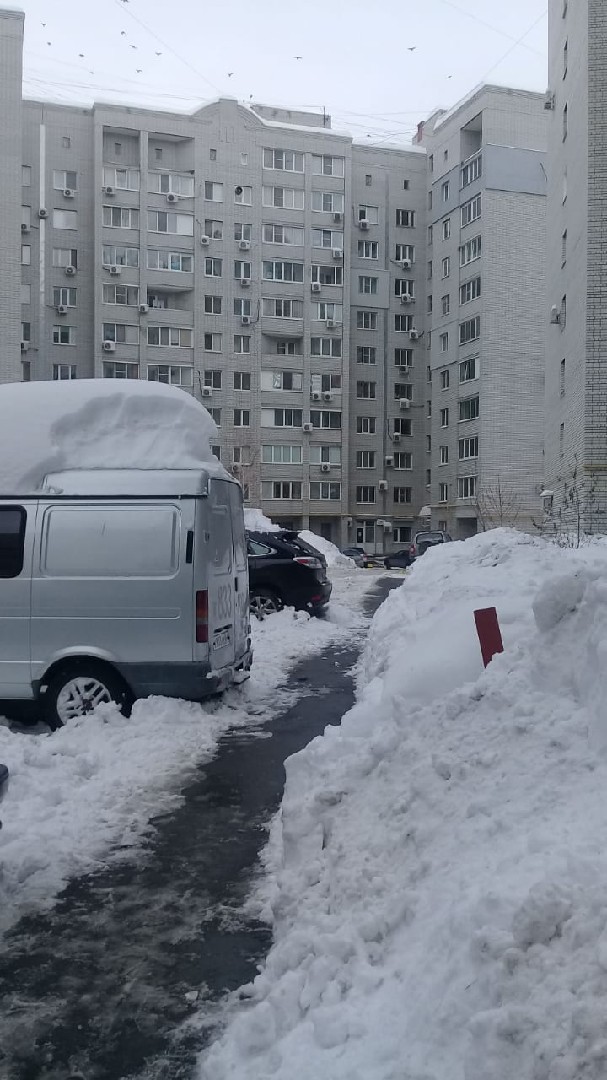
(97, 424)
(331, 553)
(256, 521)
(438, 872)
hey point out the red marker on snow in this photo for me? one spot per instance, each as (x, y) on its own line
(489, 634)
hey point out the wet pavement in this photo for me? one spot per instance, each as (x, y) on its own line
(112, 982)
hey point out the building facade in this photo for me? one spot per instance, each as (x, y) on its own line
(576, 314)
(486, 310)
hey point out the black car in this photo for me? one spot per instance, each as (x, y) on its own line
(284, 571)
(401, 559)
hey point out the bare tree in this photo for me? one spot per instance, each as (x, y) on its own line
(497, 506)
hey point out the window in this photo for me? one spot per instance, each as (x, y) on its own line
(468, 369)
(468, 448)
(403, 427)
(563, 313)
(429, 303)
(215, 415)
(118, 370)
(242, 343)
(443, 455)
(444, 379)
(242, 231)
(213, 228)
(64, 371)
(64, 297)
(243, 195)
(328, 238)
(325, 418)
(444, 342)
(402, 534)
(281, 455)
(403, 460)
(66, 142)
(446, 267)
(114, 217)
(287, 198)
(323, 490)
(469, 408)
(328, 202)
(26, 371)
(404, 253)
(275, 270)
(446, 230)
(365, 459)
(125, 179)
(445, 303)
(290, 348)
(212, 305)
(26, 255)
(565, 121)
(368, 179)
(179, 183)
(64, 335)
(402, 494)
(470, 290)
(471, 171)
(111, 256)
(366, 354)
(242, 307)
(367, 284)
(162, 221)
(212, 379)
(444, 418)
(365, 425)
(172, 375)
(365, 494)
(281, 380)
(562, 439)
(281, 308)
(404, 287)
(213, 192)
(564, 248)
(26, 216)
(63, 179)
(327, 165)
(429, 409)
(213, 267)
(325, 454)
(430, 235)
(445, 191)
(212, 154)
(175, 337)
(242, 418)
(403, 323)
(284, 160)
(12, 533)
(403, 391)
(470, 330)
(365, 389)
(562, 377)
(122, 333)
(470, 211)
(565, 58)
(368, 213)
(325, 346)
(26, 331)
(291, 418)
(366, 320)
(157, 153)
(242, 270)
(175, 261)
(470, 251)
(369, 249)
(65, 219)
(281, 489)
(443, 493)
(26, 175)
(466, 487)
(405, 219)
(121, 294)
(212, 342)
(284, 234)
(328, 312)
(26, 293)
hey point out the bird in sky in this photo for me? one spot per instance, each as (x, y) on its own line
(298, 57)
(133, 46)
(81, 55)
(138, 71)
(230, 73)
(158, 54)
(123, 33)
(44, 25)
(411, 48)
(49, 43)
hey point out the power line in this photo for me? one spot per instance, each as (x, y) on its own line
(514, 46)
(489, 26)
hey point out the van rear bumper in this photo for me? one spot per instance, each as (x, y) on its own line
(191, 681)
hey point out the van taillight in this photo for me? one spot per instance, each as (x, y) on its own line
(202, 616)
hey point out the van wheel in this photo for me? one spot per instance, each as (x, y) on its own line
(79, 688)
(263, 602)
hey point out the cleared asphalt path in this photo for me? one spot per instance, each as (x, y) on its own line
(109, 984)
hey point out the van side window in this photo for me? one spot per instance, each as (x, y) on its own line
(12, 533)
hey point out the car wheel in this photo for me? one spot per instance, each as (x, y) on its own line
(263, 602)
(78, 688)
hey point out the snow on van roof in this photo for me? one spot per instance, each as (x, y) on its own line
(90, 424)
(141, 482)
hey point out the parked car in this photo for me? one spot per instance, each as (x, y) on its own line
(118, 584)
(285, 571)
(398, 559)
(426, 539)
(361, 557)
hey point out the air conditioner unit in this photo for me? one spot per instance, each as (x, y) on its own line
(235, 468)
(61, 309)
(338, 217)
(68, 193)
(406, 298)
(207, 391)
(244, 245)
(143, 309)
(109, 346)
(25, 346)
(24, 228)
(555, 315)
(171, 197)
(396, 437)
(115, 271)
(405, 264)
(316, 286)
(327, 395)
(315, 395)
(70, 271)
(363, 223)
(325, 467)
(404, 403)
(383, 486)
(245, 282)
(331, 324)
(414, 335)
(246, 320)
(108, 190)
(549, 101)
(307, 427)
(42, 213)
(205, 240)
(389, 461)
(338, 253)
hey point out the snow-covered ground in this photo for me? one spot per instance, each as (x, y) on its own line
(437, 876)
(86, 793)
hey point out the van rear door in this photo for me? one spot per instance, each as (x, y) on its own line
(17, 528)
(221, 592)
(242, 619)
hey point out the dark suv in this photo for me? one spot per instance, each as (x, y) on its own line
(284, 571)
(426, 539)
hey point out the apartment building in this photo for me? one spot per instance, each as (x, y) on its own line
(11, 50)
(485, 305)
(576, 314)
(257, 259)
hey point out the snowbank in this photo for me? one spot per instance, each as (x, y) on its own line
(256, 521)
(438, 873)
(97, 423)
(331, 553)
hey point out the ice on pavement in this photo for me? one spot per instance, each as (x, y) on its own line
(98, 424)
(437, 876)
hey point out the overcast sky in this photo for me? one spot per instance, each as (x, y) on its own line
(355, 57)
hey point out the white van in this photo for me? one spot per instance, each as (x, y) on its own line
(118, 584)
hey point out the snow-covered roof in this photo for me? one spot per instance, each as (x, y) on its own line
(477, 91)
(116, 482)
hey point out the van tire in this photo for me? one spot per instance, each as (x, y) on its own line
(92, 681)
(263, 602)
